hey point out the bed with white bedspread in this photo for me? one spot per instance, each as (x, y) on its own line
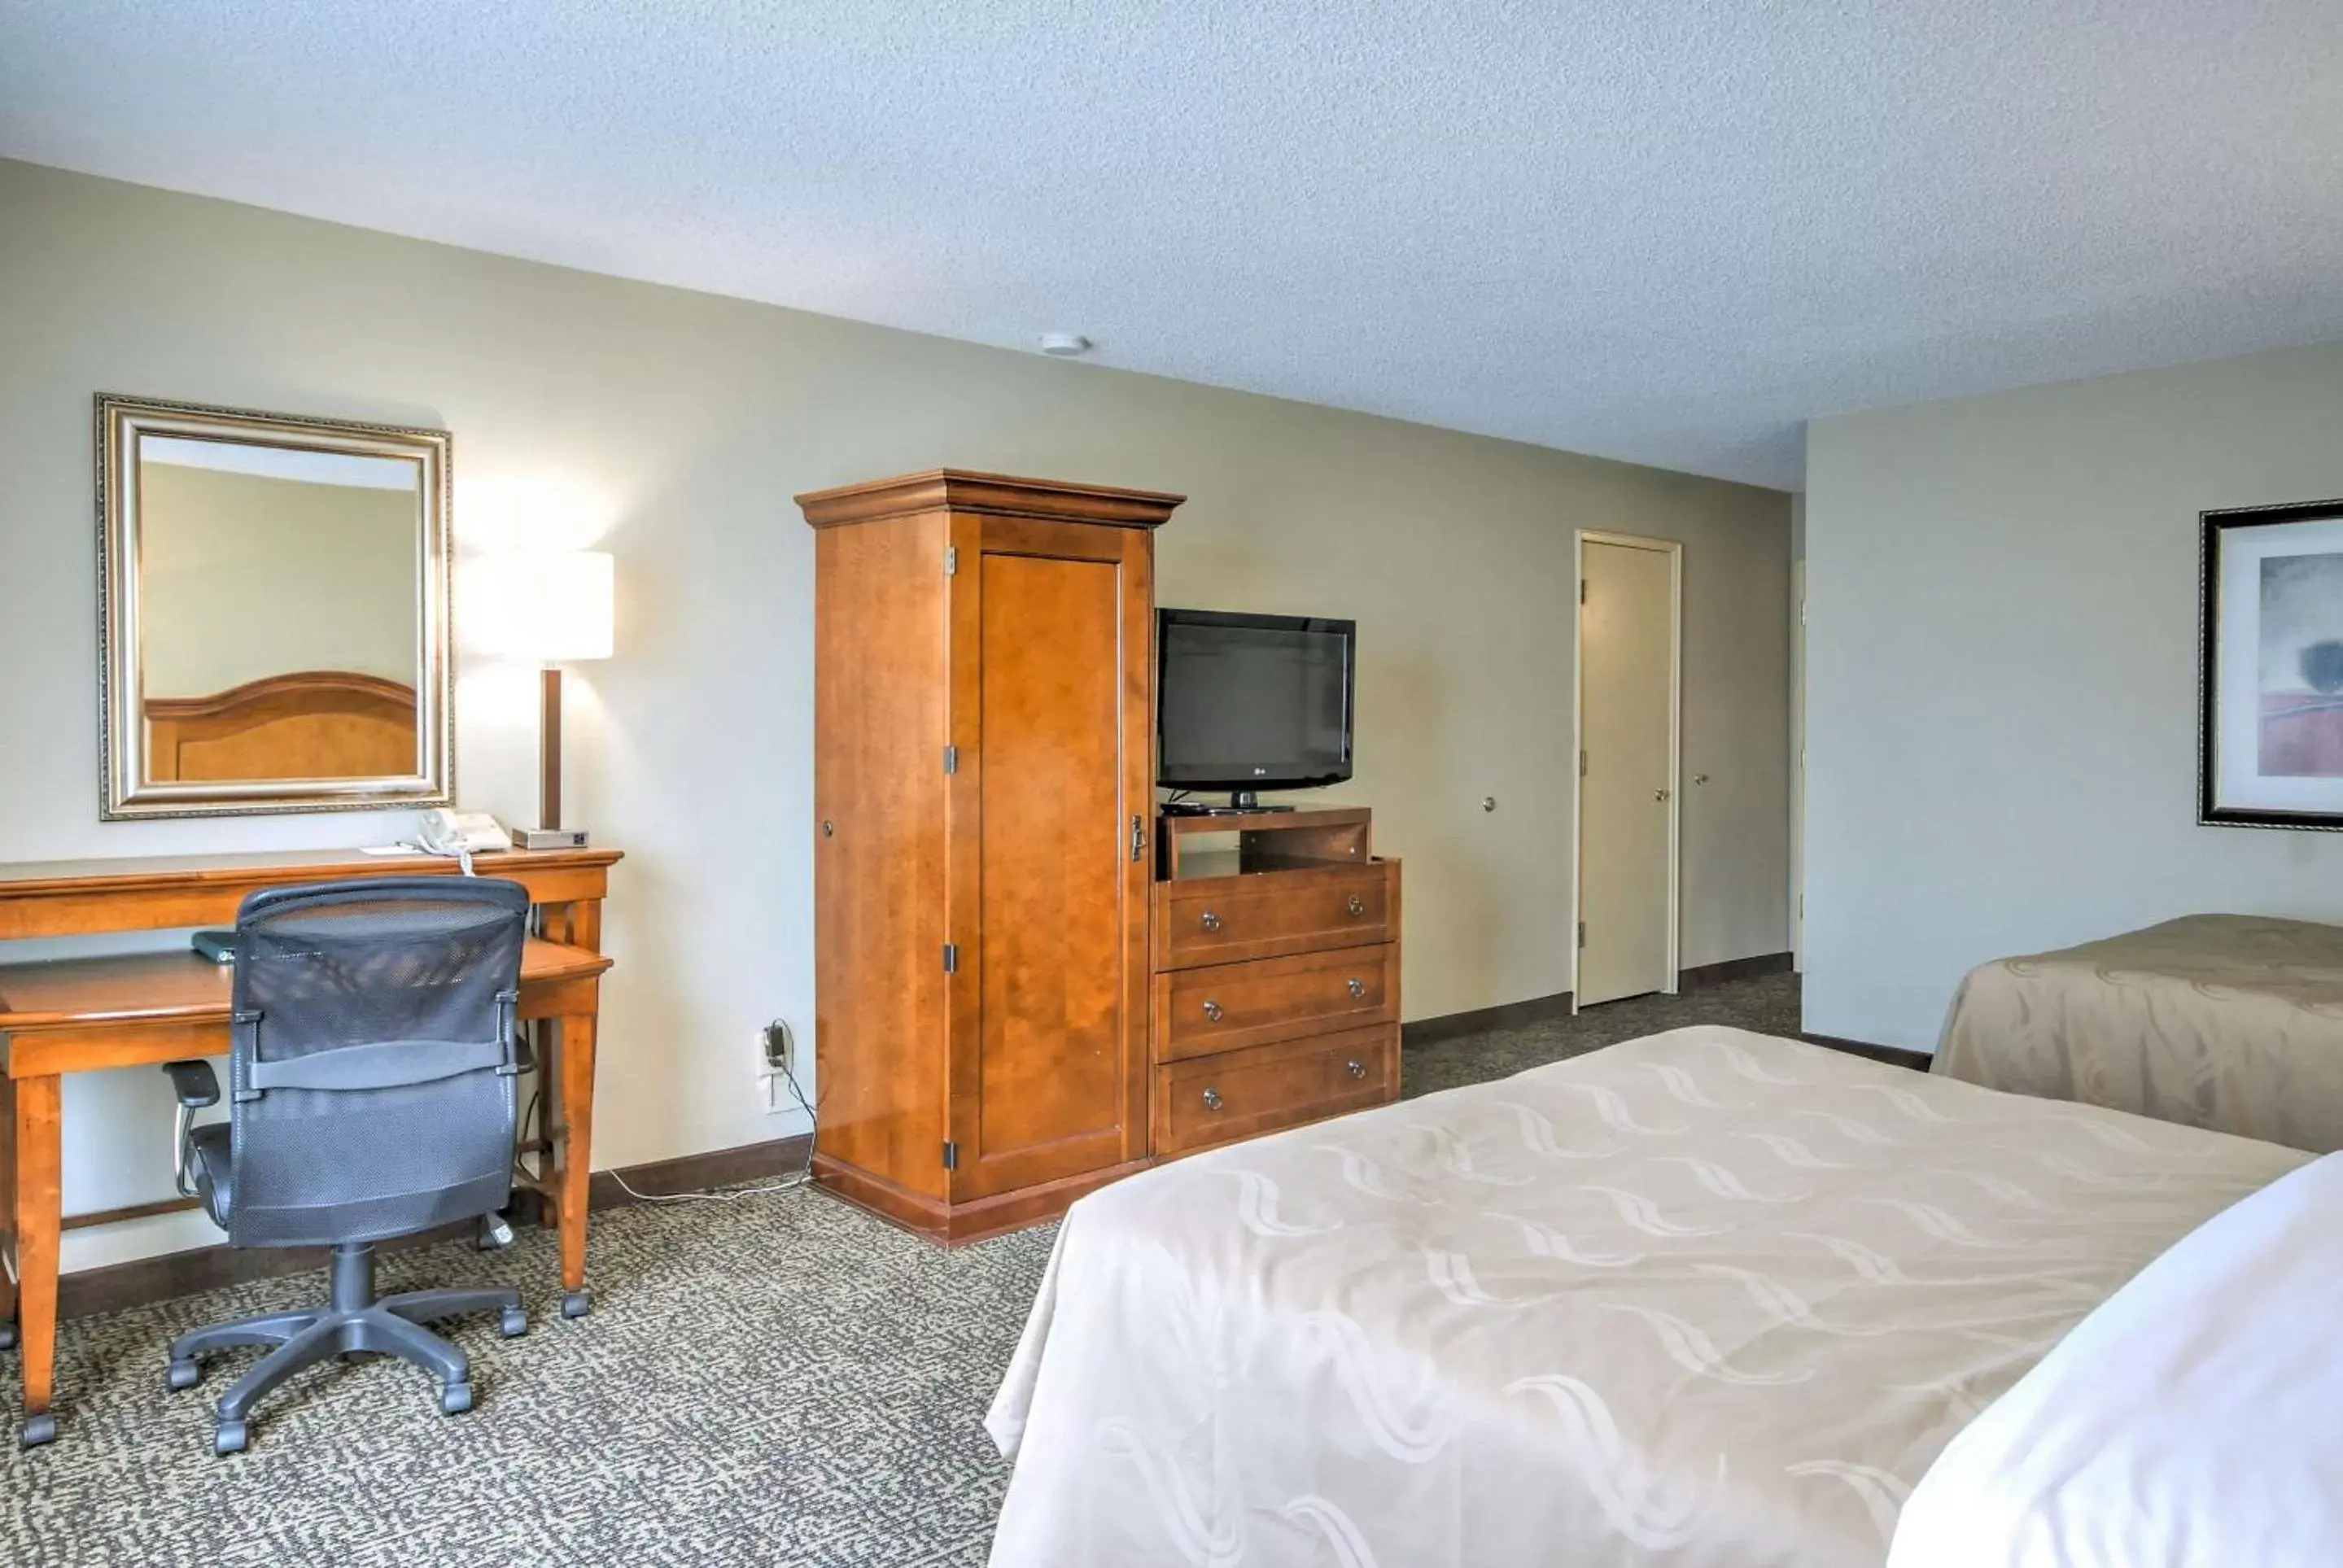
(1707, 1298)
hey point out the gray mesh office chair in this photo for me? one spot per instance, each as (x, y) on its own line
(371, 1079)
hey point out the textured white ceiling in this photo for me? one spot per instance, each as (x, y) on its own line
(1665, 232)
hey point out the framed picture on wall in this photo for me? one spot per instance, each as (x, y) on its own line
(2270, 668)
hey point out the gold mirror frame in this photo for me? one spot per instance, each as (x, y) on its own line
(129, 791)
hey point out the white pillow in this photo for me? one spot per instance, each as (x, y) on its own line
(2194, 1420)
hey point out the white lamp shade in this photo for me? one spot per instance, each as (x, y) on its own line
(555, 607)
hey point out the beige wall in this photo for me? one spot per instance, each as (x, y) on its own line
(2001, 657)
(677, 424)
(243, 576)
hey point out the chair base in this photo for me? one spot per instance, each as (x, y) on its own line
(356, 1324)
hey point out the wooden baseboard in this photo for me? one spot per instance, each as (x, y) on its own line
(1539, 1009)
(1706, 975)
(695, 1173)
(136, 1284)
(1893, 1055)
(1507, 1015)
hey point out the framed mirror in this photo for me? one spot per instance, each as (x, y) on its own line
(273, 612)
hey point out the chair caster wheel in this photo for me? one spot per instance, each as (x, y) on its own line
(229, 1439)
(576, 1304)
(512, 1323)
(183, 1374)
(456, 1398)
(39, 1429)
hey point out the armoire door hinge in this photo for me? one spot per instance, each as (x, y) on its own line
(951, 759)
(951, 957)
(1581, 590)
(1582, 933)
(951, 1155)
(1138, 837)
(951, 559)
(1582, 763)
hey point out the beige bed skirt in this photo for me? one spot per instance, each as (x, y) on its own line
(2231, 1023)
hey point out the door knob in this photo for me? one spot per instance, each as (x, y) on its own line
(1211, 922)
(1212, 1099)
(1212, 1011)
(1356, 1068)
(1358, 988)
(1358, 905)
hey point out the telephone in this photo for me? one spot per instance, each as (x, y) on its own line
(462, 834)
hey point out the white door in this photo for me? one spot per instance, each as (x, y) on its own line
(1627, 765)
(1799, 766)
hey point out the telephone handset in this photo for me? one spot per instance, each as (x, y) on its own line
(462, 834)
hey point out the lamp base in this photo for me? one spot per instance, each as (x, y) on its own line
(549, 837)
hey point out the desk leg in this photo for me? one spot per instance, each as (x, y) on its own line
(576, 1148)
(39, 1213)
(545, 1036)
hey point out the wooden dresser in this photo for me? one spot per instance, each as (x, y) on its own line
(1275, 990)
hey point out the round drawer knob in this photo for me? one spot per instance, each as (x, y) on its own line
(1358, 988)
(1358, 905)
(1212, 1011)
(829, 829)
(1357, 1068)
(1212, 1099)
(1211, 921)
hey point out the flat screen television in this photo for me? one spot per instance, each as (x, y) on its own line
(1247, 702)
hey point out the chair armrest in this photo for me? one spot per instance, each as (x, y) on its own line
(194, 1083)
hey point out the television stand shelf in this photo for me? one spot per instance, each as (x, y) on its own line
(1276, 984)
(1241, 843)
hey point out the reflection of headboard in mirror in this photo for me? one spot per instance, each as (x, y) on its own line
(309, 724)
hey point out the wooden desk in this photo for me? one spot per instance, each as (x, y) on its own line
(92, 1014)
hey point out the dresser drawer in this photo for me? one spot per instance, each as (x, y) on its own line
(1225, 1006)
(1222, 919)
(1242, 1093)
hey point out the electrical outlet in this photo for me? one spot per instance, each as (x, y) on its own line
(766, 1073)
(776, 1060)
(777, 1046)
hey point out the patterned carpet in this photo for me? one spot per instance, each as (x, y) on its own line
(778, 1379)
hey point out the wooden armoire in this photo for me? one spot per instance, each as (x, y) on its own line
(984, 783)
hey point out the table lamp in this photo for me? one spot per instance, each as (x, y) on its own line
(556, 608)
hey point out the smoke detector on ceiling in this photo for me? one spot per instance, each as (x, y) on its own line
(1064, 344)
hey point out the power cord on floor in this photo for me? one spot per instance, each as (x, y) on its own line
(802, 1176)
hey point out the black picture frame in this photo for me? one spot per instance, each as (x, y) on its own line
(2215, 528)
